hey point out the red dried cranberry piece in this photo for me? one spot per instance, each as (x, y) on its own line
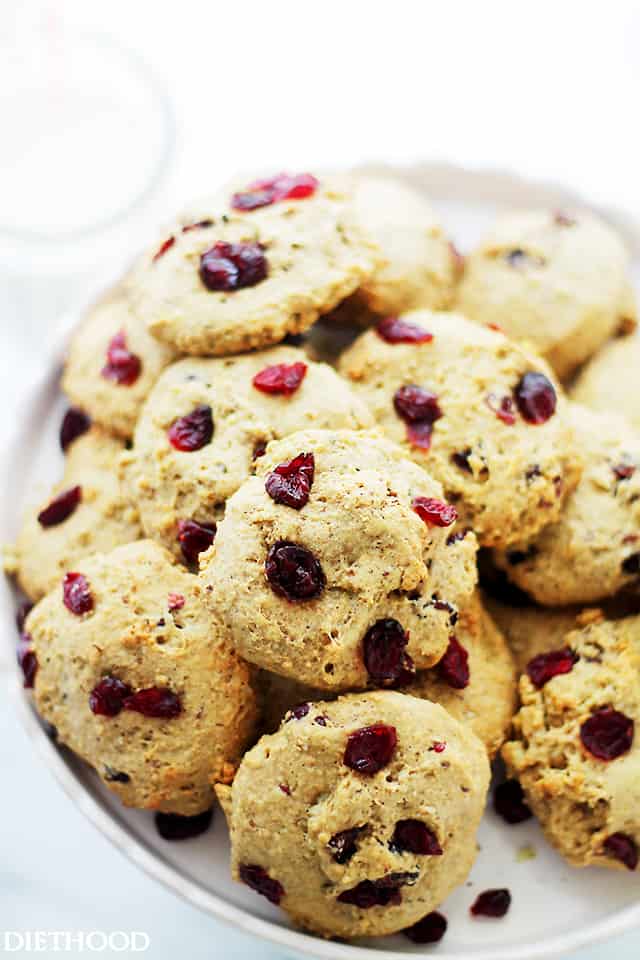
(60, 508)
(607, 734)
(27, 660)
(108, 696)
(503, 408)
(536, 398)
(156, 702)
(290, 483)
(281, 379)
(492, 903)
(294, 572)
(195, 538)
(624, 471)
(546, 666)
(162, 249)
(172, 826)
(370, 748)
(193, 431)
(259, 880)
(416, 405)
(435, 513)
(74, 423)
(454, 666)
(414, 836)
(368, 894)
(226, 267)
(438, 746)
(509, 802)
(284, 186)
(122, 366)
(430, 929)
(198, 225)
(623, 848)
(259, 450)
(298, 712)
(420, 434)
(343, 845)
(384, 653)
(175, 601)
(76, 594)
(397, 330)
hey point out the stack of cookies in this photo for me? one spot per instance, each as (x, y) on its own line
(292, 427)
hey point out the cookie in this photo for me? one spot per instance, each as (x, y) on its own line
(557, 281)
(479, 413)
(112, 363)
(184, 468)
(87, 512)
(329, 569)
(233, 279)
(593, 550)
(350, 821)
(608, 382)
(139, 681)
(575, 750)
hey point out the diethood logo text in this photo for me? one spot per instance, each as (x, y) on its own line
(75, 941)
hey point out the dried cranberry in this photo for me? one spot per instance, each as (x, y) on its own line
(416, 405)
(281, 379)
(377, 893)
(546, 666)
(435, 513)
(384, 654)
(454, 666)
(492, 903)
(195, 538)
(294, 572)
(74, 423)
(76, 594)
(60, 508)
(631, 564)
(430, 929)
(162, 249)
(509, 802)
(397, 330)
(122, 366)
(108, 696)
(226, 267)
(438, 746)
(370, 748)
(299, 711)
(193, 431)
(259, 880)
(259, 450)
(284, 186)
(624, 471)
(27, 660)
(536, 397)
(414, 836)
(343, 845)
(175, 601)
(607, 734)
(290, 483)
(173, 826)
(503, 408)
(198, 225)
(623, 848)
(156, 702)
(420, 434)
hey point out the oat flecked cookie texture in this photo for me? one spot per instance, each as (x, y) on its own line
(293, 260)
(147, 628)
(348, 853)
(609, 381)
(556, 280)
(172, 485)
(452, 403)
(309, 593)
(588, 803)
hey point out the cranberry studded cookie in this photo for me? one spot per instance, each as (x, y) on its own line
(575, 748)
(609, 381)
(477, 411)
(208, 420)
(139, 681)
(557, 281)
(350, 821)
(257, 263)
(339, 564)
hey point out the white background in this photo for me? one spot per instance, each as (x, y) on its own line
(549, 89)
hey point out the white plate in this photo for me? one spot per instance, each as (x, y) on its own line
(555, 908)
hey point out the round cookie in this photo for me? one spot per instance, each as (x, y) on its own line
(187, 711)
(87, 512)
(332, 578)
(351, 841)
(277, 268)
(172, 485)
(556, 281)
(593, 550)
(112, 363)
(575, 750)
(452, 402)
(608, 382)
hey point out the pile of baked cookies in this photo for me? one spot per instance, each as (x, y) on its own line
(293, 425)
